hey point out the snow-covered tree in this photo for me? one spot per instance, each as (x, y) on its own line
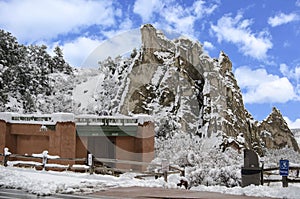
(59, 64)
(25, 76)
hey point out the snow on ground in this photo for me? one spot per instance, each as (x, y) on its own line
(50, 182)
(274, 190)
(83, 93)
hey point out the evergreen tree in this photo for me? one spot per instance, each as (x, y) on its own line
(11, 53)
(40, 62)
(25, 76)
(59, 63)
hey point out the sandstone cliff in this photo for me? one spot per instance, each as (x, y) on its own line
(187, 91)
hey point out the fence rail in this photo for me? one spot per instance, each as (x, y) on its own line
(118, 161)
(277, 169)
(285, 179)
(97, 165)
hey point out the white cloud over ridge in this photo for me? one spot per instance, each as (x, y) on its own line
(208, 45)
(292, 124)
(261, 87)
(282, 18)
(78, 50)
(119, 44)
(171, 16)
(34, 20)
(236, 30)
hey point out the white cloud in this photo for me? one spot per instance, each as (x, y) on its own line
(293, 74)
(292, 124)
(261, 87)
(237, 31)
(33, 20)
(146, 8)
(126, 24)
(169, 15)
(290, 73)
(182, 19)
(282, 18)
(200, 9)
(208, 45)
(77, 51)
(120, 44)
(298, 3)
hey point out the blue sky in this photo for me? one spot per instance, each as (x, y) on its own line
(261, 37)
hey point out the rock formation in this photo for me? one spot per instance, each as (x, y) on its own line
(275, 132)
(175, 79)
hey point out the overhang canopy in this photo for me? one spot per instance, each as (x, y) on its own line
(98, 130)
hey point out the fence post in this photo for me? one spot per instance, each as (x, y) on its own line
(6, 156)
(166, 176)
(90, 163)
(262, 174)
(45, 159)
(182, 173)
(284, 171)
(165, 168)
(285, 182)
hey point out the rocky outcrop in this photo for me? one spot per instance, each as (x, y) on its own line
(164, 81)
(186, 90)
(275, 132)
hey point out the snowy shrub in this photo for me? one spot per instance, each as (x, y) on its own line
(217, 168)
(272, 156)
(212, 167)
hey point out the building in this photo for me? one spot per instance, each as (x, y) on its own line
(74, 136)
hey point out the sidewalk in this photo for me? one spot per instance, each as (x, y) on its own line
(145, 192)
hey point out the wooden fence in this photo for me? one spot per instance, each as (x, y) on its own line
(274, 171)
(89, 164)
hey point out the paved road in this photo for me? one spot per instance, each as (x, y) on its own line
(143, 192)
(131, 192)
(20, 194)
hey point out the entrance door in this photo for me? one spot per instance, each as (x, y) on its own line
(102, 147)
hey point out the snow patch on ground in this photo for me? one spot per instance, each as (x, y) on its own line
(50, 182)
(274, 190)
(83, 93)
